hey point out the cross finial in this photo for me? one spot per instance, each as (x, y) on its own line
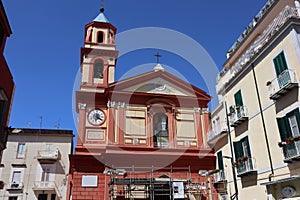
(158, 56)
(102, 6)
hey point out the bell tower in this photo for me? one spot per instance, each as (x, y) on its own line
(99, 55)
(98, 62)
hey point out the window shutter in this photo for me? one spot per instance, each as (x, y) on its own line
(284, 128)
(297, 115)
(238, 150)
(280, 63)
(246, 141)
(238, 98)
(220, 160)
(16, 177)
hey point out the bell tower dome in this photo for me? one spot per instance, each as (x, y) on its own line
(99, 55)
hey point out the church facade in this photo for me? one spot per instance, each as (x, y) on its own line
(143, 137)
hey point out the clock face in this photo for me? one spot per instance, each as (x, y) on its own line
(288, 191)
(96, 117)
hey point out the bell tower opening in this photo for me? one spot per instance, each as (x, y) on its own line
(98, 69)
(100, 37)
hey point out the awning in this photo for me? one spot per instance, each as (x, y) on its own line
(281, 180)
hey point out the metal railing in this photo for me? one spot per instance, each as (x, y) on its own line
(287, 13)
(217, 130)
(238, 113)
(283, 79)
(246, 166)
(224, 197)
(252, 24)
(291, 150)
(219, 176)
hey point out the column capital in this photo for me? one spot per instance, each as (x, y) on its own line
(197, 110)
(205, 110)
(111, 104)
(81, 106)
(121, 104)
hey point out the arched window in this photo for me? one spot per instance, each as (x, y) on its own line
(98, 69)
(160, 130)
(100, 37)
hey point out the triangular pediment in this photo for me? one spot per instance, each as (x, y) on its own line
(158, 86)
(158, 82)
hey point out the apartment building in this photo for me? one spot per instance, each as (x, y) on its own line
(255, 129)
(36, 164)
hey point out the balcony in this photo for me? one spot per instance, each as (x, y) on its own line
(46, 185)
(291, 152)
(48, 156)
(281, 85)
(15, 186)
(219, 177)
(226, 76)
(217, 132)
(238, 115)
(245, 168)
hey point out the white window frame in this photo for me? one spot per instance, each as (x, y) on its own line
(21, 151)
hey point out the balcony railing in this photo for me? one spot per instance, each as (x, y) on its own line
(246, 167)
(264, 38)
(291, 151)
(15, 186)
(219, 177)
(218, 130)
(224, 197)
(48, 155)
(238, 115)
(249, 28)
(282, 84)
(44, 185)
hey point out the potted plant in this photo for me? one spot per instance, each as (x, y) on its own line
(281, 144)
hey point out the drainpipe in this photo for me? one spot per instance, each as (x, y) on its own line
(263, 123)
(231, 151)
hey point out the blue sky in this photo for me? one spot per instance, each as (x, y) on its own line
(44, 50)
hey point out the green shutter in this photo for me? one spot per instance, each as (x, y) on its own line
(280, 63)
(238, 149)
(284, 128)
(220, 160)
(238, 98)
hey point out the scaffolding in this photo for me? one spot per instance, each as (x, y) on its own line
(152, 183)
